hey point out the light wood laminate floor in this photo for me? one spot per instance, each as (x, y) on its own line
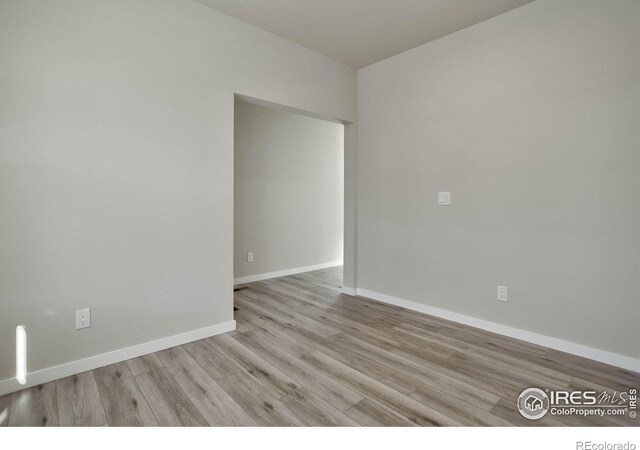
(305, 354)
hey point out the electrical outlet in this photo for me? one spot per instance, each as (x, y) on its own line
(83, 318)
(502, 293)
(250, 257)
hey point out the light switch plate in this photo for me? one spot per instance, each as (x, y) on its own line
(444, 198)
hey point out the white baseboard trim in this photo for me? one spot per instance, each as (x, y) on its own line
(93, 362)
(349, 290)
(614, 359)
(284, 273)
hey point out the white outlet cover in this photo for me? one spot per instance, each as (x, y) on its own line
(444, 198)
(502, 293)
(250, 257)
(83, 318)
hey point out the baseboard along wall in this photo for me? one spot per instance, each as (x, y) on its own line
(93, 362)
(284, 273)
(614, 359)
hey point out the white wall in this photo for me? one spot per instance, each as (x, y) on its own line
(116, 165)
(531, 120)
(289, 190)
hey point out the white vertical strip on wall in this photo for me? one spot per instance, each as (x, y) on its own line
(21, 354)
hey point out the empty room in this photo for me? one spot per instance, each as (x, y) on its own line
(321, 217)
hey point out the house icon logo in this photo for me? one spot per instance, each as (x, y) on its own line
(533, 403)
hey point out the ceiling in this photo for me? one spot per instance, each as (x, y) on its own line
(362, 32)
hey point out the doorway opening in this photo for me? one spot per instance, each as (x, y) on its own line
(289, 193)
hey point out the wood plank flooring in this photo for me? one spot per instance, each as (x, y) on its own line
(306, 355)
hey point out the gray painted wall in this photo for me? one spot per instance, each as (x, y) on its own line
(289, 190)
(531, 120)
(116, 165)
